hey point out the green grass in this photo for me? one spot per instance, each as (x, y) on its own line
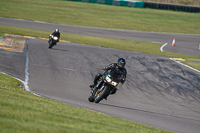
(22, 112)
(99, 15)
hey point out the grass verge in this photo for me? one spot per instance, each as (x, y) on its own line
(23, 112)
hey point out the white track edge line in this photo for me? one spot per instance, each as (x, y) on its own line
(185, 65)
(161, 48)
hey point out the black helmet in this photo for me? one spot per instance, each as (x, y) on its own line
(121, 62)
(57, 30)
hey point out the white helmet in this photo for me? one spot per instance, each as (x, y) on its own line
(57, 30)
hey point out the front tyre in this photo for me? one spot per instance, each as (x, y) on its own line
(51, 44)
(101, 94)
(91, 98)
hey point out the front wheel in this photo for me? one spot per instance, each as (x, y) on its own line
(51, 44)
(101, 94)
(91, 98)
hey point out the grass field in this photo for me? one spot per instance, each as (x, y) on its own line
(22, 111)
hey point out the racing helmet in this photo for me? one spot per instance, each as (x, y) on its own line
(57, 30)
(121, 62)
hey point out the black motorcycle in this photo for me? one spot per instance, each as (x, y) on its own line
(106, 85)
(52, 40)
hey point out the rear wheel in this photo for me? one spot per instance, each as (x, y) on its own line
(101, 94)
(113, 91)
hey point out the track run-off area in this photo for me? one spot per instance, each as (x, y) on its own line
(158, 92)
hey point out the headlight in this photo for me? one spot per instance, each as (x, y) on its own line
(114, 83)
(55, 38)
(108, 79)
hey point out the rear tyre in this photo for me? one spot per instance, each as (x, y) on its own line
(101, 94)
(113, 91)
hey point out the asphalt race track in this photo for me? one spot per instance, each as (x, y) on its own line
(158, 91)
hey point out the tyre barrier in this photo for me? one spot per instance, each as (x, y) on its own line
(128, 3)
(162, 6)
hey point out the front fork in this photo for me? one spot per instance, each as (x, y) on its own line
(97, 86)
(102, 86)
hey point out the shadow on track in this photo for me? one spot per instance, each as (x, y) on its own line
(59, 49)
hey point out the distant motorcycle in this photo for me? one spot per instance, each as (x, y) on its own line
(106, 85)
(52, 40)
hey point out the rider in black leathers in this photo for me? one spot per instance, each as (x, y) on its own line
(116, 68)
(56, 33)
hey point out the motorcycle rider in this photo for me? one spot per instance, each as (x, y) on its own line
(56, 33)
(115, 68)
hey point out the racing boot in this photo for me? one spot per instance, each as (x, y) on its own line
(96, 78)
(92, 85)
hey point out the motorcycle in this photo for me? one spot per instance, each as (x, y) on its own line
(52, 40)
(106, 85)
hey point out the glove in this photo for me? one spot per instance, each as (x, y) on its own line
(103, 69)
(122, 80)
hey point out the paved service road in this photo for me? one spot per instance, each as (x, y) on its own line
(158, 92)
(185, 44)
